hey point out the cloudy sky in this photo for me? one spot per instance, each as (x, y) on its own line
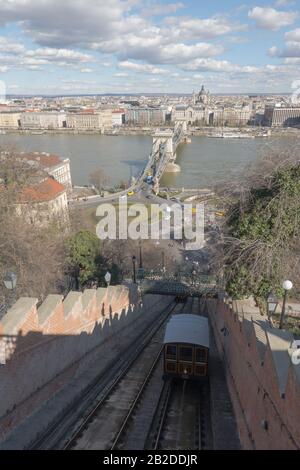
(123, 46)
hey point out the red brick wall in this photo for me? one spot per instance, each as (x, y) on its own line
(36, 352)
(47, 346)
(254, 386)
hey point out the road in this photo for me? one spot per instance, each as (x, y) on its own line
(192, 259)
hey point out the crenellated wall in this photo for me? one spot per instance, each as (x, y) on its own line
(41, 346)
(263, 382)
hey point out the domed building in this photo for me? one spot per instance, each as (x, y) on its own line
(203, 96)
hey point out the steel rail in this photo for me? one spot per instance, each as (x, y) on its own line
(139, 395)
(117, 379)
(96, 387)
(166, 391)
(136, 400)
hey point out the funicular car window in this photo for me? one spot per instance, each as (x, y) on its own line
(201, 355)
(185, 353)
(171, 367)
(200, 370)
(171, 351)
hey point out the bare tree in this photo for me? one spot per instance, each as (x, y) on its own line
(98, 179)
(34, 252)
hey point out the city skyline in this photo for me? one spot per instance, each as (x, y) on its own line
(131, 46)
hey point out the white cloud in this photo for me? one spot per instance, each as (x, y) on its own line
(292, 60)
(3, 68)
(293, 35)
(75, 33)
(58, 24)
(198, 76)
(117, 27)
(33, 59)
(10, 47)
(269, 18)
(284, 3)
(198, 28)
(144, 68)
(159, 10)
(157, 49)
(291, 49)
(179, 53)
(13, 87)
(58, 55)
(213, 65)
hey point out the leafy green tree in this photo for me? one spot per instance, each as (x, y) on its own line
(84, 257)
(116, 277)
(263, 233)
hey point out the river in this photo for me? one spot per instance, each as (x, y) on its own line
(204, 162)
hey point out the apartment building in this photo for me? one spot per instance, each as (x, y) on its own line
(197, 114)
(10, 120)
(231, 116)
(43, 120)
(43, 202)
(145, 116)
(118, 117)
(277, 116)
(84, 121)
(56, 167)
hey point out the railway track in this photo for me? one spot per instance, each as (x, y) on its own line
(107, 423)
(81, 410)
(104, 417)
(182, 418)
(126, 422)
(138, 436)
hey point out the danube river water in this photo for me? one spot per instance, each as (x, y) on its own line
(204, 162)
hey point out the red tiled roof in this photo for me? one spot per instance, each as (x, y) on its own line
(44, 160)
(45, 191)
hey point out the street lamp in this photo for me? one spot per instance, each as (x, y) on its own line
(134, 272)
(272, 303)
(286, 285)
(10, 280)
(194, 274)
(107, 278)
(141, 259)
(141, 269)
(163, 261)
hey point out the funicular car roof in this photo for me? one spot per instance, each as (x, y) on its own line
(187, 328)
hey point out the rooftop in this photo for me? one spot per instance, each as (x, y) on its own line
(44, 191)
(44, 160)
(186, 328)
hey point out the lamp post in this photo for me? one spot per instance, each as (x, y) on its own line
(287, 285)
(134, 271)
(194, 274)
(163, 261)
(141, 269)
(272, 303)
(141, 259)
(107, 278)
(10, 282)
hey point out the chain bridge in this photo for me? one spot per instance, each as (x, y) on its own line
(163, 154)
